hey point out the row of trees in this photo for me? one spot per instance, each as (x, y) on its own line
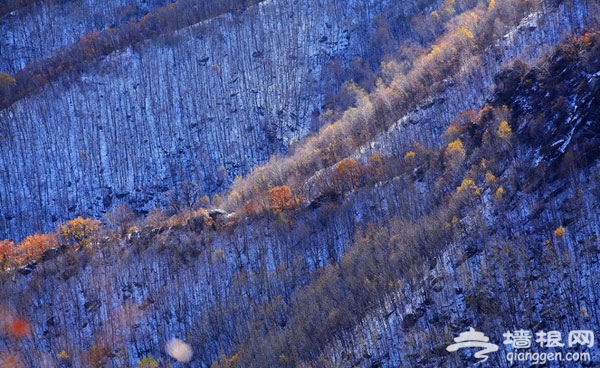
(75, 58)
(485, 135)
(389, 254)
(78, 233)
(121, 223)
(410, 83)
(480, 157)
(483, 159)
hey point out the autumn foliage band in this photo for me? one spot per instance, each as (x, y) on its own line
(481, 161)
(323, 158)
(78, 233)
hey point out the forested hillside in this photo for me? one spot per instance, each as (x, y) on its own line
(165, 107)
(402, 176)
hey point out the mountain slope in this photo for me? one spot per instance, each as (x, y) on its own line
(477, 207)
(33, 32)
(201, 105)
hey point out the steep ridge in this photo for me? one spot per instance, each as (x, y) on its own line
(390, 337)
(239, 295)
(202, 105)
(500, 269)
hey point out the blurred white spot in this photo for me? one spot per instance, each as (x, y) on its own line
(179, 350)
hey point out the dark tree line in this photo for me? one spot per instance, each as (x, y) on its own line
(74, 59)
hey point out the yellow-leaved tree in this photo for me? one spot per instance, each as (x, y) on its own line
(504, 130)
(81, 232)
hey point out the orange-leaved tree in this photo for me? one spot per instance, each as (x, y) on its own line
(347, 175)
(7, 248)
(33, 246)
(281, 198)
(7, 253)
